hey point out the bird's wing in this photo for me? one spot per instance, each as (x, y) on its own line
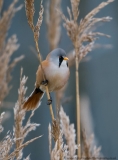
(39, 73)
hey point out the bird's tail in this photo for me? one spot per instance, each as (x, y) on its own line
(33, 100)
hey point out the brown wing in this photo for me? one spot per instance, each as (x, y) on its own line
(39, 73)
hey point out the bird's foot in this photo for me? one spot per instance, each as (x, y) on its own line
(45, 82)
(49, 101)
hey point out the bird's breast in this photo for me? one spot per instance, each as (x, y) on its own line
(56, 76)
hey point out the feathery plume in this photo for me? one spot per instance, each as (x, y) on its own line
(59, 152)
(75, 11)
(69, 133)
(80, 33)
(55, 130)
(5, 21)
(38, 24)
(88, 150)
(65, 150)
(29, 6)
(16, 151)
(20, 131)
(5, 146)
(7, 48)
(30, 10)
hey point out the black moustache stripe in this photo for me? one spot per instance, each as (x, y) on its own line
(60, 60)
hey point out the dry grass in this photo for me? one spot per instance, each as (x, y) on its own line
(19, 132)
(69, 133)
(90, 151)
(68, 148)
(79, 33)
(63, 133)
(82, 32)
(7, 49)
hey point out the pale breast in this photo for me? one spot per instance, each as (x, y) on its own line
(57, 76)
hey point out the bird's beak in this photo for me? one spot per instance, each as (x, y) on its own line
(65, 58)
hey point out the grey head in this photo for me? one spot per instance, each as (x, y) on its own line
(57, 56)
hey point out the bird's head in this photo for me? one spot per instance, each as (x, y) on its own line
(58, 57)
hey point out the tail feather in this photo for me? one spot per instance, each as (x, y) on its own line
(33, 100)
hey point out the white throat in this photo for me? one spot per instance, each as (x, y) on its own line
(63, 64)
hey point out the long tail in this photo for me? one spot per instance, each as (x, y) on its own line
(33, 100)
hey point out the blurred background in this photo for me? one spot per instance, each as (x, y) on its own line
(98, 79)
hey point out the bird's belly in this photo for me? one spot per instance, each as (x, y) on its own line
(57, 83)
(57, 77)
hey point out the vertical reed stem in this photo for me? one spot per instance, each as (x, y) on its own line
(78, 106)
(77, 47)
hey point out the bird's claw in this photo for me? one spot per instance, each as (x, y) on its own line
(49, 101)
(45, 82)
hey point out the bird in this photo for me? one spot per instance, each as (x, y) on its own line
(56, 71)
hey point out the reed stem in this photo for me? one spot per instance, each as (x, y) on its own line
(78, 106)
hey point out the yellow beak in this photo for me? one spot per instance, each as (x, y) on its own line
(66, 58)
